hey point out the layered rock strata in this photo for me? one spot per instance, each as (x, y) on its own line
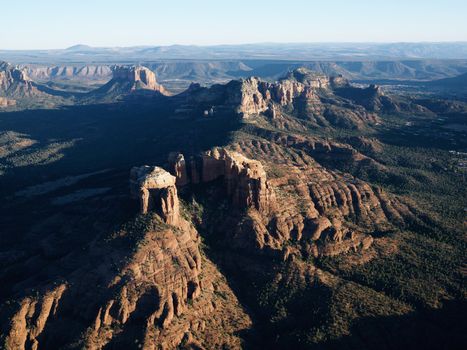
(320, 221)
(138, 76)
(156, 190)
(253, 96)
(14, 82)
(142, 287)
(244, 179)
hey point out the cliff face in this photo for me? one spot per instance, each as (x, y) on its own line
(302, 93)
(316, 209)
(256, 96)
(14, 82)
(317, 212)
(155, 188)
(252, 96)
(142, 284)
(273, 206)
(88, 72)
(244, 180)
(128, 79)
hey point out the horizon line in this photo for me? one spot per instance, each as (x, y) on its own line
(244, 44)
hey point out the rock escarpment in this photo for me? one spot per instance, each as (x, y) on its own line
(130, 79)
(251, 96)
(316, 210)
(69, 72)
(258, 96)
(141, 77)
(244, 180)
(139, 287)
(301, 93)
(14, 82)
(153, 285)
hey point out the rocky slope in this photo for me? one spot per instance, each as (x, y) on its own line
(322, 100)
(268, 237)
(303, 93)
(164, 293)
(318, 210)
(18, 89)
(153, 296)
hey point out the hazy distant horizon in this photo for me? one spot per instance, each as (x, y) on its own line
(56, 24)
(252, 51)
(317, 43)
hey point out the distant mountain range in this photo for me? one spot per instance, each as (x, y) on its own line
(183, 72)
(268, 51)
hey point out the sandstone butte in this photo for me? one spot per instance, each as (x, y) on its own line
(140, 78)
(165, 285)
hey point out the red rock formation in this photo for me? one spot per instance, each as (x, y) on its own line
(274, 222)
(244, 179)
(178, 168)
(155, 286)
(252, 96)
(155, 188)
(14, 82)
(257, 96)
(316, 209)
(30, 320)
(140, 77)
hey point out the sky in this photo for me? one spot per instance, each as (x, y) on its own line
(53, 24)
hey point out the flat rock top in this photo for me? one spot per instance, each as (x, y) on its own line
(152, 177)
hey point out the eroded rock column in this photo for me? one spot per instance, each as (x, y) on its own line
(156, 190)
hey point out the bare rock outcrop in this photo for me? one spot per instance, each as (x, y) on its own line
(252, 96)
(88, 72)
(245, 180)
(151, 287)
(312, 94)
(257, 96)
(318, 212)
(140, 77)
(156, 190)
(31, 318)
(271, 222)
(130, 79)
(140, 287)
(14, 82)
(177, 165)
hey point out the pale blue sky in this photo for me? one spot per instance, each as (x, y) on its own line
(45, 24)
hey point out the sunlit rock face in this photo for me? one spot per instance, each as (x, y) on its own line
(155, 188)
(244, 180)
(138, 76)
(14, 82)
(255, 96)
